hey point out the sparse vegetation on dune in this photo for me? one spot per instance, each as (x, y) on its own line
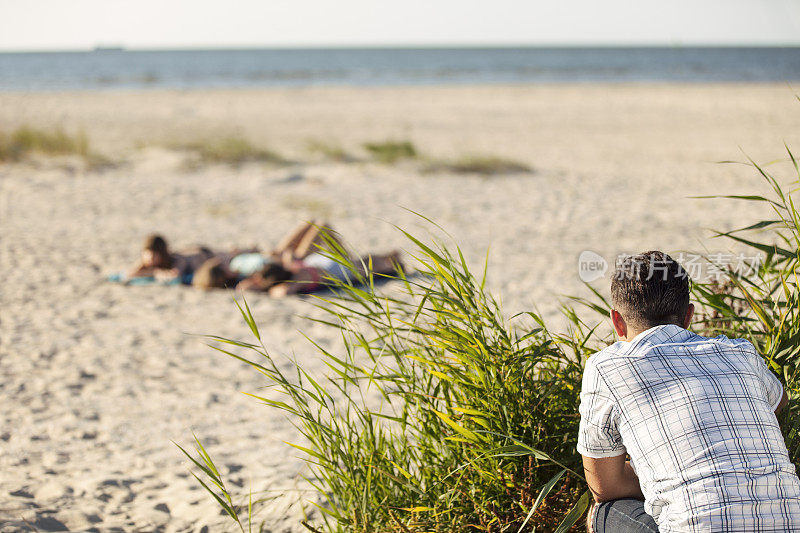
(227, 150)
(391, 151)
(479, 164)
(27, 140)
(237, 150)
(394, 151)
(330, 150)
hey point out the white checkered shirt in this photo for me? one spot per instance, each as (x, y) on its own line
(696, 415)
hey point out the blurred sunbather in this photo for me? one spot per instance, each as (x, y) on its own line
(294, 267)
(158, 262)
(305, 240)
(317, 272)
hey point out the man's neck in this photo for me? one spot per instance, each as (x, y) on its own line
(632, 334)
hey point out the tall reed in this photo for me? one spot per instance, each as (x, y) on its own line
(440, 415)
(765, 307)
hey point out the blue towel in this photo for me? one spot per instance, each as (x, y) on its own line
(120, 277)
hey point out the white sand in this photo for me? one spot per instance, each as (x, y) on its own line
(98, 379)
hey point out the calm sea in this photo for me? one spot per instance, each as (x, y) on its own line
(112, 69)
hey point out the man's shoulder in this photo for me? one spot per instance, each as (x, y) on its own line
(720, 341)
(624, 351)
(614, 351)
(609, 356)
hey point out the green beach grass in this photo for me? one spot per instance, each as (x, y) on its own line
(27, 140)
(330, 150)
(234, 151)
(391, 151)
(483, 165)
(477, 426)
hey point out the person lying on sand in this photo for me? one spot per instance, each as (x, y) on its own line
(158, 262)
(293, 267)
(317, 272)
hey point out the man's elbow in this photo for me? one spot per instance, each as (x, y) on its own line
(603, 494)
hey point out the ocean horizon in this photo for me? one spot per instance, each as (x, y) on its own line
(111, 68)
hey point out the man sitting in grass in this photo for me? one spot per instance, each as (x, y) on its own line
(678, 432)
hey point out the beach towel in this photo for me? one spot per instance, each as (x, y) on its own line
(121, 277)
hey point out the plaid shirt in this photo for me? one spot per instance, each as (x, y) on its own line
(696, 415)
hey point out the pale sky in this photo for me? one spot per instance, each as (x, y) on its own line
(81, 24)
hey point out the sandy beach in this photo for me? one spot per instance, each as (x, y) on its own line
(99, 379)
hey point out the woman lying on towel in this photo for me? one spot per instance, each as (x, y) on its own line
(160, 263)
(293, 268)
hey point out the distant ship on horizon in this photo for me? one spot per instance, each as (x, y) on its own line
(108, 48)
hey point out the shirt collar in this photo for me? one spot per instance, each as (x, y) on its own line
(663, 334)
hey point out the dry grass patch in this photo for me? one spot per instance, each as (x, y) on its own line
(481, 165)
(330, 151)
(228, 150)
(27, 140)
(391, 151)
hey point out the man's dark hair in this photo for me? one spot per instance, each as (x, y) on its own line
(650, 289)
(275, 273)
(156, 243)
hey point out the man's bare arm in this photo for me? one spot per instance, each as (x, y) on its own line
(784, 401)
(611, 478)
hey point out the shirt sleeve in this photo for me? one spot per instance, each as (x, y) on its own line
(598, 433)
(773, 387)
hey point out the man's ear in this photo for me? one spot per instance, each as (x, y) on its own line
(619, 324)
(688, 318)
